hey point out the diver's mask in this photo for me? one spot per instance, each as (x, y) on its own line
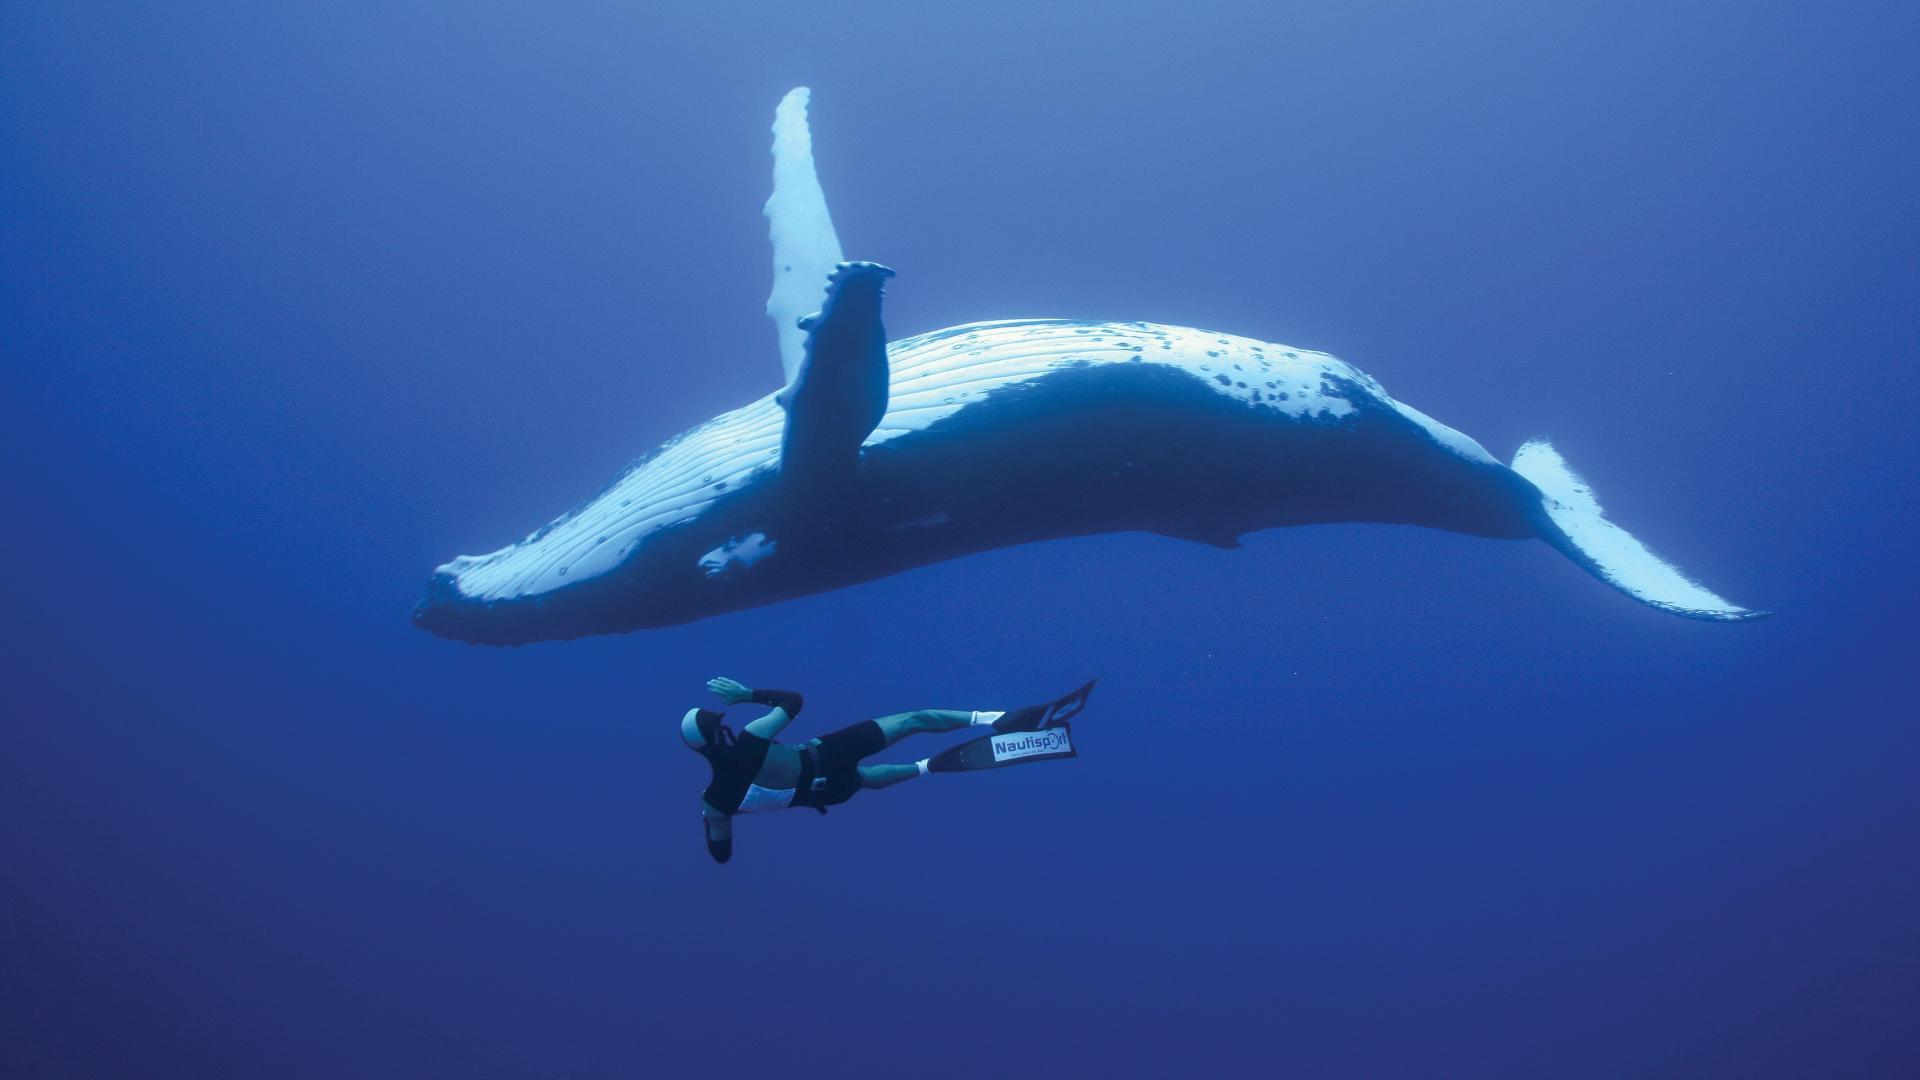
(714, 733)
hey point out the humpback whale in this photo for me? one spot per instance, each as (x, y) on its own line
(878, 456)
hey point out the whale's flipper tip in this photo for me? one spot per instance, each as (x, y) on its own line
(805, 246)
(1573, 521)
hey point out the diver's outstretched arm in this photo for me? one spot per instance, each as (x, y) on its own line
(785, 704)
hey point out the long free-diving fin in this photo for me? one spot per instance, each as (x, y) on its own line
(1051, 714)
(805, 247)
(1035, 733)
(998, 751)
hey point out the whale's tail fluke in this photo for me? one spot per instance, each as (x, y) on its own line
(1571, 520)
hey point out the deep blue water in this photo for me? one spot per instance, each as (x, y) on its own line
(298, 305)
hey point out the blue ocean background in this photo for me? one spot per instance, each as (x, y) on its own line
(300, 302)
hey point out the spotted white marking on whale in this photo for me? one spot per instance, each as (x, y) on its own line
(737, 551)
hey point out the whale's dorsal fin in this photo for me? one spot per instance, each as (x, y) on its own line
(840, 392)
(805, 247)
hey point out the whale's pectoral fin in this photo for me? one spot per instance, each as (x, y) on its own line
(840, 392)
(805, 247)
(1570, 519)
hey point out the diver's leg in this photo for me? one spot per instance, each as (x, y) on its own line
(880, 776)
(900, 725)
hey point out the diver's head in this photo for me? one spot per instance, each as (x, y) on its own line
(702, 730)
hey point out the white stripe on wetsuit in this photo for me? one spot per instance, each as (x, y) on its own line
(759, 798)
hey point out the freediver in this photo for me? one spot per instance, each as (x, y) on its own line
(754, 773)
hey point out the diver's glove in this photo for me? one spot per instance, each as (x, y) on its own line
(788, 700)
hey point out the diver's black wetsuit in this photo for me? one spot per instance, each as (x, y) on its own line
(828, 767)
(735, 766)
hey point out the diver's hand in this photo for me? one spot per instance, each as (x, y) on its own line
(731, 692)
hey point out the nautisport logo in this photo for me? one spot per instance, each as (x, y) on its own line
(1026, 744)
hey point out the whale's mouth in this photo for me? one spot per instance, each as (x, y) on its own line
(435, 613)
(586, 563)
(446, 610)
(453, 608)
